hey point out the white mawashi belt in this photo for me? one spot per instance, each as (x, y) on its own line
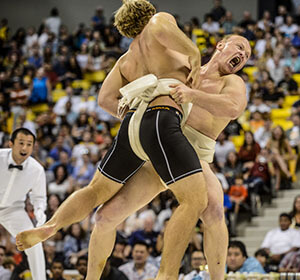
(137, 95)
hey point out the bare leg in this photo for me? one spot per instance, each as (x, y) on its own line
(74, 209)
(282, 164)
(137, 192)
(215, 229)
(192, 197)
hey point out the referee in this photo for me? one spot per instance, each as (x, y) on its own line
(20, 174)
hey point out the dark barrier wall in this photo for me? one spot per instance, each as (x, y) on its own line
(32, 12)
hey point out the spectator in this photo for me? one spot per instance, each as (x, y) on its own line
(273, 96)
(264, 133)
(40, 88)
(233, 166)
(60, 105)
(259, 105)
(265, 22)
(98, 20)
(258, 179)
(198, 263)
(295, 213)
(112, 273)
(87, 103)
(289, 28)
(63, 160)
(237, 194)
(53, 22)
(210, 25)
(75, 245)
(57, 270)
(288, 84)
(165, 214)
(296, 39)
(238, 260)
(139, 268)
(249, 150)
(84, 170)
(81, 266)
(228, 24)
(262, 256)
(50, 253)
(96, 60)
(294, 61)
(35, 59)
(223, 147)
(59, 147)
(82, 57)
(61, 184)
(247, 20)
(219, 174)
(281, 16)
(52, 205)
(293, 134)
(275, 66)
(281, 240)
(281, 153)
(218, 11)
(256, 121)
(4, 273)
(147, 235)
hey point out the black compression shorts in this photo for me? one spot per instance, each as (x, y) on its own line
(161, 137)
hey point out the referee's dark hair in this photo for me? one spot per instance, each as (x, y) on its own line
(22, 130)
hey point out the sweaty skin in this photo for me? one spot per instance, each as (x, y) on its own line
(219, 90)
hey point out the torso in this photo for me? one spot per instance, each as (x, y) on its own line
(165, 63)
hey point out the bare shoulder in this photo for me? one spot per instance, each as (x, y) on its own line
(234, 79)
(162, 16)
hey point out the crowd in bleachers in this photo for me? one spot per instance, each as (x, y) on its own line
(49, 81)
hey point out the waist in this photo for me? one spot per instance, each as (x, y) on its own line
(165, 100)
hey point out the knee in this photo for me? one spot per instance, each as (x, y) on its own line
(213, 214)
(105, 220)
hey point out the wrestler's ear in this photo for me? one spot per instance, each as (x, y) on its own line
(220, 45)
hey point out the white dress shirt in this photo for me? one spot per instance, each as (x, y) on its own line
(15, 184)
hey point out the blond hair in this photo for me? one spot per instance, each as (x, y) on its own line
(132, 17)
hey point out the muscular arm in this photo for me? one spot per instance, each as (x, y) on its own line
(109, 94)
(164, 29)
(230, 102)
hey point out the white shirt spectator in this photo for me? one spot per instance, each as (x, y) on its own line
(262, 108)
(30, 40)
(86, 106)
(53, 23)
(222, 151)
(60, 106)
(279, 241)
(129, 270)
(4, 273)
(82, 60)
(289, 30)
(262, 136)
(59, 189)
(260, 47)
(211, 27)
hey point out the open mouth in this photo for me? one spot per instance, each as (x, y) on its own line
(23, 154)
(235, 61)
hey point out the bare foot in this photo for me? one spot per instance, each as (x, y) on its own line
(28, 238)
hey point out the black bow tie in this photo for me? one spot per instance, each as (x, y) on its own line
(20, 167)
